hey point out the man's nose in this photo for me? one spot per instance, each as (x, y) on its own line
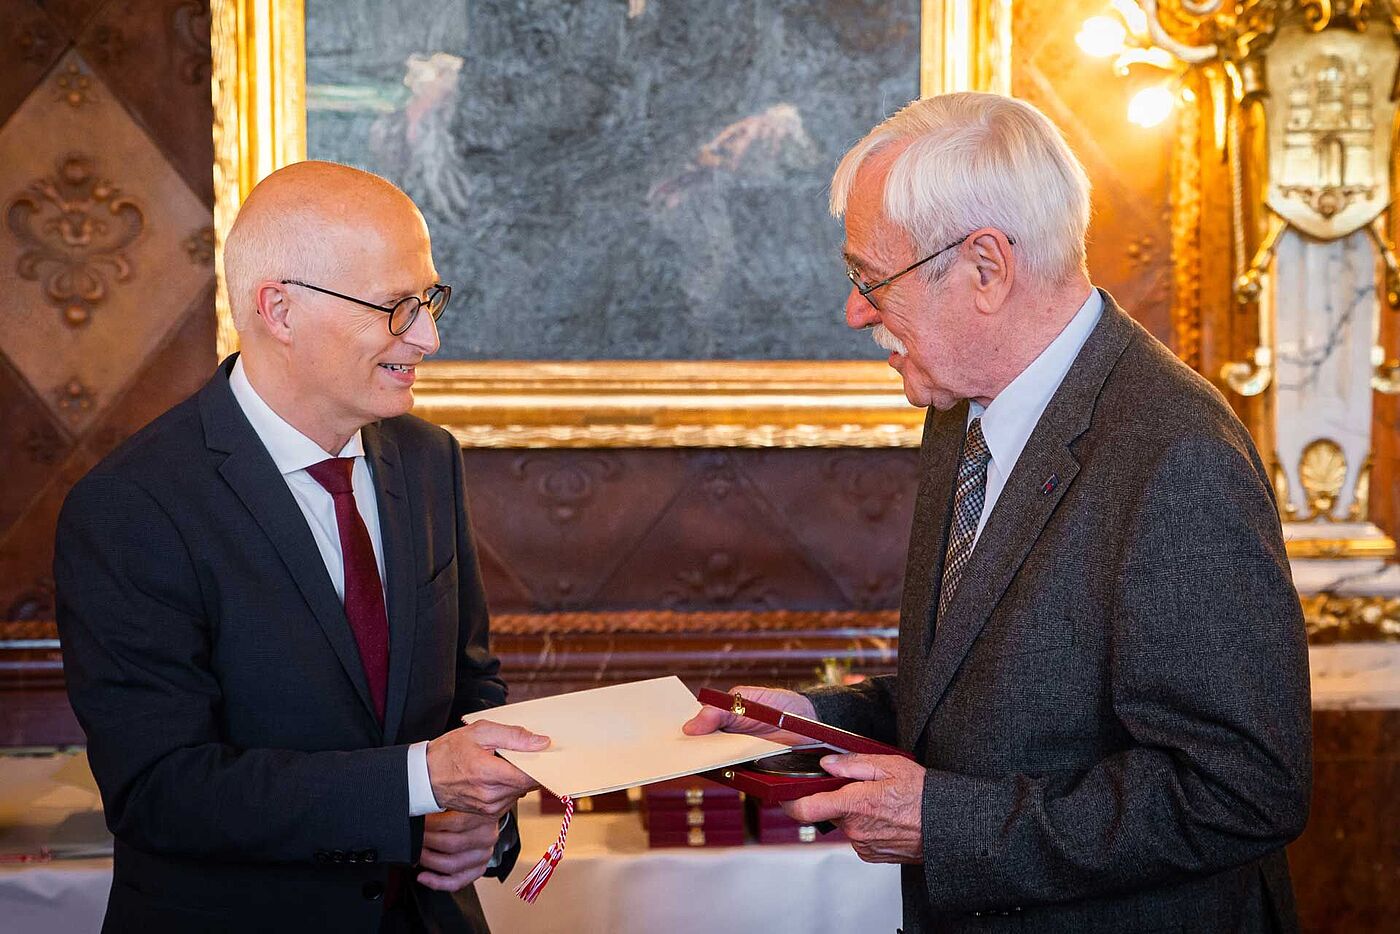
(423, 333)
(860, 314)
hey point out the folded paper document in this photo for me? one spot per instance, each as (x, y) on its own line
(621, 736)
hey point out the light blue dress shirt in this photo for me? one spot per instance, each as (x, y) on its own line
(1007, 423)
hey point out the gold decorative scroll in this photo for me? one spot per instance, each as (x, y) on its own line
(259, 87)
(965, 45)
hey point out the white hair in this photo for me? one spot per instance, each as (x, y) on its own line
(974, 160)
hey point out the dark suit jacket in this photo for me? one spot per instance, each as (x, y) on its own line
(244, 773)
(1114, 711)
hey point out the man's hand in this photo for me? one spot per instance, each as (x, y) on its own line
(881, 812)
(467, 775)
(710, 719)
(456, 849)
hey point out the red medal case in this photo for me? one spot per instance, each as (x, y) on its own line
(692, 812)
(772, 789)
(769, 824)
(608, 802)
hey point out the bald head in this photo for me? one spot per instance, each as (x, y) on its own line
(310, 221)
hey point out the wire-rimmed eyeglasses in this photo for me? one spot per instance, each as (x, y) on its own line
(865, 290)
(403, 312)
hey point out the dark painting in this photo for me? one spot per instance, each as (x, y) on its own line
(618, 179)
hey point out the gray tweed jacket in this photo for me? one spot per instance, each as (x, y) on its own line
(1114, 711)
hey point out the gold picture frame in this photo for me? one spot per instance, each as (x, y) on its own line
(259, 86)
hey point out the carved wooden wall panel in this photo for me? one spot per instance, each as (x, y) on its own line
(692, 529)
(106, 258)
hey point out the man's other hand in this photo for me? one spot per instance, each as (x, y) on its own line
(456, 849)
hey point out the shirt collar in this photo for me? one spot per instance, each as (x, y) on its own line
(290, 449)
(1008, 421)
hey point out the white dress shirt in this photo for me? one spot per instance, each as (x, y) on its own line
(1007, 423)
(293, 452)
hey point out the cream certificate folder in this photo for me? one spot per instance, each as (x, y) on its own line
(607, 739)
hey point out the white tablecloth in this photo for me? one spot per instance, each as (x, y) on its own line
(609, 881)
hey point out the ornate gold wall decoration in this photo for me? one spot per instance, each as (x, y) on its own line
(651, 403)
(73, 228)
(1279, 478)
(1332, 618)
(1360, 510)
(965, 46)
(1331, 116)
(1186, 234)
(1323, 473)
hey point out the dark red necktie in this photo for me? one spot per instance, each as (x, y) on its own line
(364, 596)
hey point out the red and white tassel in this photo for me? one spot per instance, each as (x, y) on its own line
(534, 883)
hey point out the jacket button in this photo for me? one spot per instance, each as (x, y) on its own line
(337, 856)
(372, 891)
(370, 855)
(321, 856)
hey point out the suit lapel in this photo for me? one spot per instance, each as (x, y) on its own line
(250, 472)
(928, 542)
(395, 528)
(1021, 512)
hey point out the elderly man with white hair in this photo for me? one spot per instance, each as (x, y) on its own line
(1103, 666)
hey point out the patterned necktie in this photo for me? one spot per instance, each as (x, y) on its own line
(364, 595)
(968, 498)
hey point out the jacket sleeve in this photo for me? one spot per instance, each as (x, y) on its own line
(137, 647)
(866, 708)
(1208, 679)
(479, 682)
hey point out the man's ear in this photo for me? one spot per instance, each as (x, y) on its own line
(996, 269)
(273, 305)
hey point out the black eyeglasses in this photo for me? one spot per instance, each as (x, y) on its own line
(865, 290)
(403, 312)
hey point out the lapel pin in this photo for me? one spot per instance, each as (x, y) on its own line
(1049, 485)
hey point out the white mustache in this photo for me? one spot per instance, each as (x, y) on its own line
(884, 339)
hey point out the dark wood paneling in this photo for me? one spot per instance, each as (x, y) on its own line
(30, 42)
(155, 56)
(1346, 866)
(692, 530)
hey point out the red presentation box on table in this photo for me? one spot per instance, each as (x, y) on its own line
(770, 825)
(795, 774)
(692, 812)
(608, 802)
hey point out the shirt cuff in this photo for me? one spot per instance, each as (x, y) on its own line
(421, 799)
